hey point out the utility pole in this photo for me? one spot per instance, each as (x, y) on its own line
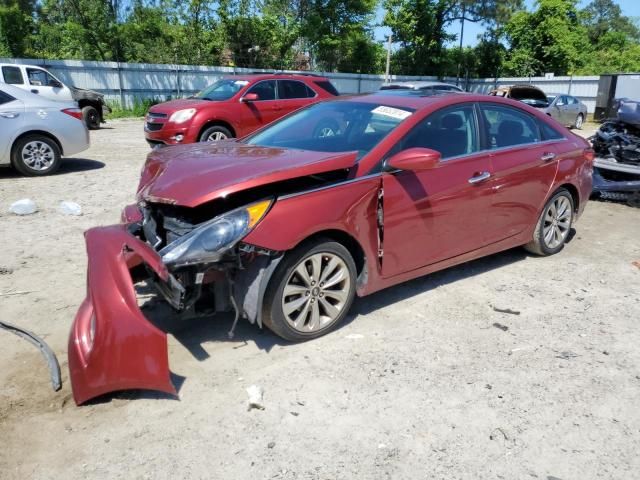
(386, 74)
(461, 37)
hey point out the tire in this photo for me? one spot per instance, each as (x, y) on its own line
(215, 133)
(554, 225)
(326, 128)
(91, 117)
(316, 310)
(35, 156)
(579, 122)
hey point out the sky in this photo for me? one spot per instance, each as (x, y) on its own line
(630, 8)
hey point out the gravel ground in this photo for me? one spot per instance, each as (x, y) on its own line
(425, 380)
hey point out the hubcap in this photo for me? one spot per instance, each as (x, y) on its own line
(316, 292)
(38, 155)
(557, 222)
(215, 136)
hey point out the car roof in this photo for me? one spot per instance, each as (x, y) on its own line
(416, 101)
(276, 76)
(419, 84)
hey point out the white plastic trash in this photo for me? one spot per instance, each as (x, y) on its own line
(70, 208)
(255, 393)
(26, 206)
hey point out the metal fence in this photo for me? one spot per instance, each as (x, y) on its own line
(126, 83)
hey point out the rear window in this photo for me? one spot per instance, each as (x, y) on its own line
(327, 87)
(5, 98)
(12, 75)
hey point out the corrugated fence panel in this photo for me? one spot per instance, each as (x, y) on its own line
(125, 83)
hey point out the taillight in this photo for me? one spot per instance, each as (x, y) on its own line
(589, 154)
(74, 112)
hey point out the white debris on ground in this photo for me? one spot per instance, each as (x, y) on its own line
(70, 208)
(255, 393)
(25, 206)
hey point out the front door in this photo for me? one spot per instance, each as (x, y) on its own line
(43, 83)
(11, 118)
(262, 111)
(433, 215)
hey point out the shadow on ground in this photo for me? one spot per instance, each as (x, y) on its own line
(68, 165)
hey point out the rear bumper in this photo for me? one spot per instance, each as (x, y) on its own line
(112, 346)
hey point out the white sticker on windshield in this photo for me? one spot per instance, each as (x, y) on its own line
(391, 112)
(242, 83)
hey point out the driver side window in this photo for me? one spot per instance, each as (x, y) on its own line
(266, 90)
(451, 131)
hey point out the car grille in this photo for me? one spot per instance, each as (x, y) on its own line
(154, 127)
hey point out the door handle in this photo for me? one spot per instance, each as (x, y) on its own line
(480, 177)
(547, 157)
(35, 90)
(9, 114)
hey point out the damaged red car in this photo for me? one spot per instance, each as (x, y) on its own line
(286, 226)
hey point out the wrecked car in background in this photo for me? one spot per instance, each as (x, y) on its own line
(566, 109)
(286, 226)
(617, 146)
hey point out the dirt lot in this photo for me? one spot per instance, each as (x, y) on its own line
(419, 383)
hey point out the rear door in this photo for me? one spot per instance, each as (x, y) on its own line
(436, 214)
(293, 94)
(11, 121)
(262, 111)
(523, 165)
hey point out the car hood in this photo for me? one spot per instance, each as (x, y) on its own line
(190, 175)
(175, 105)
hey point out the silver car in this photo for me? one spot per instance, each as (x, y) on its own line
(36, 132)
(423, 86)
(566, 109)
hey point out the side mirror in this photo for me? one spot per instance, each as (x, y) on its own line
(415, 159)
(250, 97)
(55, 84)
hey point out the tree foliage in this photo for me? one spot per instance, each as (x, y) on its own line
(553, 36)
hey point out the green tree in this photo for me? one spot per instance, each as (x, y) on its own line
(16, 27)
(550, 39)
(605, 16)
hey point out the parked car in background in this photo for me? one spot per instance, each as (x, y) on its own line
(37, 80)
(426, 87)
(566, 109)
(233, 107)
(286, 226)
(36, 132)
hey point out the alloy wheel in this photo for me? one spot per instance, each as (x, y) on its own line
(316, 292)
(216, 136)
(579, 122)
(38, 155)
(557, 222)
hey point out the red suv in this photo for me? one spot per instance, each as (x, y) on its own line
(233, 107)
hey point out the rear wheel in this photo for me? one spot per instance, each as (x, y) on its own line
(554, 225)
(579, 121)
(311, 291)
(36, 155)
(215, 133)
(91, 117)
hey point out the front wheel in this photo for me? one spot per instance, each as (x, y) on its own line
(91, 117)
(554, 225)
(215, 134)
(579, 121)
(311, 291)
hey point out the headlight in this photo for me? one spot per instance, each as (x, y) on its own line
(182, 116)
(211, 239)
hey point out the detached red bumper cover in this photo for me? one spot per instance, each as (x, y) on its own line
(112, 346)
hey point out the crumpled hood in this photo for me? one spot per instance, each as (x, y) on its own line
(190, 175)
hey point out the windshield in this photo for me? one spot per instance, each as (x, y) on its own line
(222, 90)
(340, 126)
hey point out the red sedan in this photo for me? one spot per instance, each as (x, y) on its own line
(285, 227)
(233, 107)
